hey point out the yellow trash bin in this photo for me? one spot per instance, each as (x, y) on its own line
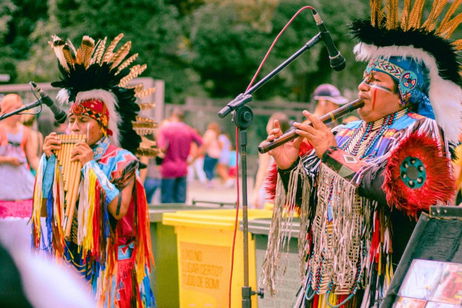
(204, 240)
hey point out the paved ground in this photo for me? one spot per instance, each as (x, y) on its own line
(203, 194)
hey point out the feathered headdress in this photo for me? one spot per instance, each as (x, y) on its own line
(418, 54)
(94, 72)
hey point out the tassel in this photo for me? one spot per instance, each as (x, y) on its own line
(279, 234)
(37, 204)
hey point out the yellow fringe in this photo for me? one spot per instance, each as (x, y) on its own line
(87, 243)
(58, 212)
(379, 271)
(37, 203)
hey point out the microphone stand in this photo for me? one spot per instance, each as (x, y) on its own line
(27, 107)
(242, 118)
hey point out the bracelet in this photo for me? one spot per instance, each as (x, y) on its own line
(328, 152)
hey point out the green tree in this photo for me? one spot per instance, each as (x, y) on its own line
(154, 27)
(18, 19)
(228, 42)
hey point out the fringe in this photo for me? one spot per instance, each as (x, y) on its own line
(279, 234)
(340, 230)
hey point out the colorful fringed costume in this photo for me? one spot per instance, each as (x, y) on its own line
(114, 255)
(358, 204)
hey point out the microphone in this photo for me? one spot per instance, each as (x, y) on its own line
(337, 61)
(60, 116)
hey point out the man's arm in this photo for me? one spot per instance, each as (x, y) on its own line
(118, 207)
(31, 150)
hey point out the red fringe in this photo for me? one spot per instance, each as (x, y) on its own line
(305, 147)
(270, 182)
(97, 223)
(143, 229)
(271, 179)
(126, 282)
(439, 185)
(376, 239)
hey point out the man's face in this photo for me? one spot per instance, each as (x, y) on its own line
(85, 125)
(380, 96)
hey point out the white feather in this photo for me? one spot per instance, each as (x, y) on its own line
(63, 97)
(445, 96)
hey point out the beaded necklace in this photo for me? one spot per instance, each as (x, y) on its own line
(368, 135)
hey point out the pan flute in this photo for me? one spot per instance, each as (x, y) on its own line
(70, 175)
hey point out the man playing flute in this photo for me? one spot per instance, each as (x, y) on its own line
(359, 187)
(109, 241)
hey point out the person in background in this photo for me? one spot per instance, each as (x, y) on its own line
(223, 161)
(265, 162)
(174, 139)
(212, 150)
(150, 175)
(328, 98)
(29, 120)
(18, 155)
(196, 164)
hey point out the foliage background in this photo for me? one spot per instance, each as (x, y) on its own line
(200, 48)
(207, 48)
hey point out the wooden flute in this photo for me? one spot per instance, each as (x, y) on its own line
(290, 134)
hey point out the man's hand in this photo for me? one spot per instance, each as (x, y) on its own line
(286, 154)
(51, 143)
(82, 152)
(318, 134)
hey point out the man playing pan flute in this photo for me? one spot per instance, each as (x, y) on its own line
(358, 187)
(107, 236)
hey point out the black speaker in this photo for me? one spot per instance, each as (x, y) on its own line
(433, 259)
